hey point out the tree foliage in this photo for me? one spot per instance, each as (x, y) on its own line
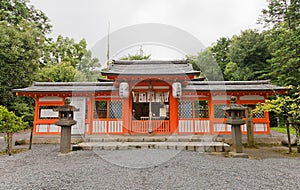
(220, 52)
(206, 63)
(242, 57)
(287, 107)
(249, 51)
(284, 46)
(20, 51)
(62, 72)
(136, 57)
(140, 55)
(88, 67)
(281, 13)
(64, 50)
(9, 124)
(18, 11)
(284, 40)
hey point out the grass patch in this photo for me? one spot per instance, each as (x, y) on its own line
(283, 130)
(13, 151)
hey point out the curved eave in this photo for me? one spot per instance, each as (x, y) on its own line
(249, 89)
(66, 88)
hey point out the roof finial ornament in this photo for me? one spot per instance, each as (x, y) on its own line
(141, 51)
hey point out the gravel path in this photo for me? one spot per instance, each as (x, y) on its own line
(44, 168)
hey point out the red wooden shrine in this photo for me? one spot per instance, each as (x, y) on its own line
(142, 97)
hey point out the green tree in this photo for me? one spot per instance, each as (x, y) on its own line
(249, 52)
(206, 63)
(136, 57)
(281, 13)
(62, 72)
(284, 46)
(18, 11)
(9, 124)
(64, 50)
(283, 40)
(22, 30)
(220, 52)
(88, 67)
(234, 72)
(287, 107)
(19, 58)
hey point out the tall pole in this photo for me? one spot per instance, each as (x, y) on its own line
(107, 51)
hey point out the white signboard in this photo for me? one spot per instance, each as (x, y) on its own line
(79, 116)
(48, 113)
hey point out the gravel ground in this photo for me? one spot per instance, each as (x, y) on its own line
(44, 168)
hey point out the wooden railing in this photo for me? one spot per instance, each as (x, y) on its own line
(193, 126)
(142, 126)
(107, 126)
(223, 128)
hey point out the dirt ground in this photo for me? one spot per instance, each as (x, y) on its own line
(278, 151)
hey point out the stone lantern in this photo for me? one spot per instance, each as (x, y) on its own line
(235, 114)
(66, 115)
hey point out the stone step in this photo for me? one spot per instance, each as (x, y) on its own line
(190, 146)
(145, 138)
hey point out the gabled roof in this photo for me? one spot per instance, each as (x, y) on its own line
(213, 86)
(68, 87)
(259, 85)
(150, 67)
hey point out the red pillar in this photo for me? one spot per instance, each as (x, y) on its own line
(90, 104)
(36, 114)
(126, 109)
(173, 114)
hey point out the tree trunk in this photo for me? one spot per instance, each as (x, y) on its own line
(30, 140)
(297, 136)
(289, 136)
(9, 143)
(249, 124)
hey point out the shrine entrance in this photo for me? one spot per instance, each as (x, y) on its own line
(150, 107)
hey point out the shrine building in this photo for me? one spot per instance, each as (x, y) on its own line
(148, 97)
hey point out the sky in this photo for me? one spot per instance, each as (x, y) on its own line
(206, 20)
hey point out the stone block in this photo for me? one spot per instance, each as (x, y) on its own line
(238, 155)
(199, 149)
(284, 140)
(190, 148)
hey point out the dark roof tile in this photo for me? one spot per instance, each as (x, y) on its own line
(150, 67)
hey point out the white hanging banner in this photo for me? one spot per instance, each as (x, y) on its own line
(166, 96)
(150, 96)
(124, 90)
(176, 90)
(142, 97)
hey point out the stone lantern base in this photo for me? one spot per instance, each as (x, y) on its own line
(65, 140)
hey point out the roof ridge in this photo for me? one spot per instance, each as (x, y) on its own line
(72, 84)
(129, 62)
